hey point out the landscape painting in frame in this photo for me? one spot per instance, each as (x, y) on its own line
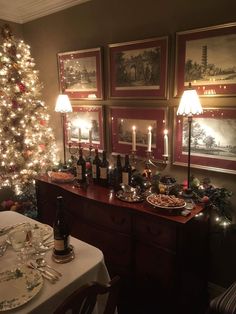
(80, 74)
(138, 69)
(122, 121)
(82, 120)
(206, 59)
(213, 140)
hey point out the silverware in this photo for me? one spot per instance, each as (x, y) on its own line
(6, 229)
(45, 273)
(42, 263)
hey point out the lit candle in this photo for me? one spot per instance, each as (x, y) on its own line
(79, 134)
(90, 136)
(149, 139)
(165, 142)
(134, 138)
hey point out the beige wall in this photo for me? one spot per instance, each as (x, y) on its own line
(101, 22)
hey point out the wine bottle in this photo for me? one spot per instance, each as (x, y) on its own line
(60, 231)
(96, 167)
(126, 171)
(118, 172)
(104, 167)
(81, 168)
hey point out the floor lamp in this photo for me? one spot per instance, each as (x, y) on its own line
(63, 106)
(189, 105)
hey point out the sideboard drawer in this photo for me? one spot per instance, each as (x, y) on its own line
(109, 217)
(155, 232)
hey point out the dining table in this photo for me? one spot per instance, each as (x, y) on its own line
(86, 266)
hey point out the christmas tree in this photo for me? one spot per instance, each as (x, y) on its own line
(27, 144)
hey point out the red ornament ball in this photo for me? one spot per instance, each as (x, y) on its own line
(22, 87)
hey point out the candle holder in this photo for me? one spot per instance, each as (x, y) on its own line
(74, 150)
(133, 159)
(160, 165)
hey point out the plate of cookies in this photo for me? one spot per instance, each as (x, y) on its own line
(61, 177)
(165, 201)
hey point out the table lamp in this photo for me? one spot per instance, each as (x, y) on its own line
(63, 106)
(189, 105)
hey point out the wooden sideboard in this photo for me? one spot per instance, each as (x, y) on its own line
(161, 258)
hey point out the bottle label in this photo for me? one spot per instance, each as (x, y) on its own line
(103, 173)
(125, 178)
(79, 172)
(94, 171)
(60, 245)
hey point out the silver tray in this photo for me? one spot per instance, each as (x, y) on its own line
(125, 197)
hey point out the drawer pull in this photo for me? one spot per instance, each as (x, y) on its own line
(117, 221)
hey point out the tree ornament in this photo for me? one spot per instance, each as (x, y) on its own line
(43, 122)
(22, 87)
(15, 65)
(15, 104)
(42, 147)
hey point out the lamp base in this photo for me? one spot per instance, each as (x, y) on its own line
(188, 193)
(188, 197)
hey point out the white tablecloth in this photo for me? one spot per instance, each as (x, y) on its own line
(88, 265)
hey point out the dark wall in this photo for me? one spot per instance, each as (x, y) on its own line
(101, 22)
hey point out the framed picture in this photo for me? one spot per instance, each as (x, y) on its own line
(85, 126)
(147, 125)
(138, 69)
(213, 142)
(80, 74)
(206, 58)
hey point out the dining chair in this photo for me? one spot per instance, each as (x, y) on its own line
(84, 299)
(225, 303)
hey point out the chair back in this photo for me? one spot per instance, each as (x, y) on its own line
(84, 299)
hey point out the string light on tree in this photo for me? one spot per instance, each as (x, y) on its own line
(27, 144)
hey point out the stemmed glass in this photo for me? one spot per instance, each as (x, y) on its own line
(32, 245)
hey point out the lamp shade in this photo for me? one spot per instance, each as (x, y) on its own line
(63, 104)
(189, 104)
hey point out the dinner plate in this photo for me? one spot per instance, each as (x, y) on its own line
(18, 286)
(151, 199)
(46, 230)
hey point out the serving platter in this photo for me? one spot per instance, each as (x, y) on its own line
(18, 286)
(61, 177)
(130, 198)
(169, 202)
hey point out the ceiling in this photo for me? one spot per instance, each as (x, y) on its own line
(22, 11)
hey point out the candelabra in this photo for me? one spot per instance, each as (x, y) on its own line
(133, 159)
(74, 151)
(160, 165)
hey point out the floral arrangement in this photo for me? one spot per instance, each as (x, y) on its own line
(215, 198)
